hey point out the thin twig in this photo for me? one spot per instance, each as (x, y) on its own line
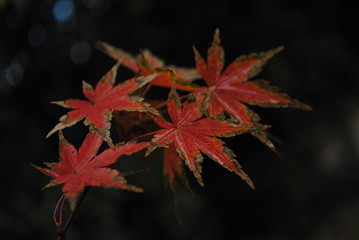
(62, 232)
(143, 135)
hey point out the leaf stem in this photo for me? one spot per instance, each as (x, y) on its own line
(60, 203)
(62, 232)
(145, 90)
(143, 135)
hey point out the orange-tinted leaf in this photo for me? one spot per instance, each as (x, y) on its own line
(146, 63)
(192, 135)
(78, 169)
(232, 90)
(102, 100)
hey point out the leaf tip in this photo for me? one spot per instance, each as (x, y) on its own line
(58, 127)
(216, 38)
(72, 202)
(251, 185)
(198, 176)
(50, 184)
(278, 49)
(303, 106)
(49, 134)
(259, 132)
(61, 103)
(86, 86)
(100, 44)
(197, 55)
(134, 188)
(245, 177)
(173, 95)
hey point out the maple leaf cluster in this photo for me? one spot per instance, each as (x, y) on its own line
(194, 125)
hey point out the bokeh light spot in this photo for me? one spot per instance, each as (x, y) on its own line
(14, 74)
(80, 52)
(63, 10)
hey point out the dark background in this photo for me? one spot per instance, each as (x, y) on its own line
(306, 191)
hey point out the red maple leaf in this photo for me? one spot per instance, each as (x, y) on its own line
(232, 88)
(78, 169)
(102, 101)
(146, 63)
(192, 135)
